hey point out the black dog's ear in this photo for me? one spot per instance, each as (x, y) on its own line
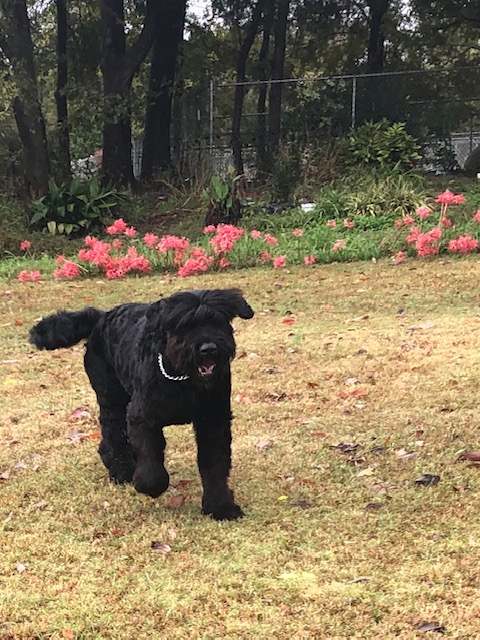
(238, 305)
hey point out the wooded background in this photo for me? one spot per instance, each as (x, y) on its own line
(83, 75)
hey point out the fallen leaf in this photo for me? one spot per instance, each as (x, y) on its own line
(359, 318)
(359, 579)
(345, 447)
(68, 634)
(76, 436)
(275, 397)
(422, 327)
(21, 464)
(369, 471)
(20, 567)
(318, 434)
(181, 484)
(374, 506)
(470, 456)
(403, 454)
(427, 480)
(431, 626)
(5, 475)
(282, 498)
(172, 534)
(39, 505)
(303, 504)
(81, 413)
(289, 320)
(262, 445)
(176, 501)
(352, 381)
(160, 547)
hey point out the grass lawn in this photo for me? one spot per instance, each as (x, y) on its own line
(351, 382)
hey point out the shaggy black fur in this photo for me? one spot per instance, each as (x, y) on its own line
(192, 333)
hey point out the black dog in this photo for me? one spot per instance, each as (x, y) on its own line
(153, 365)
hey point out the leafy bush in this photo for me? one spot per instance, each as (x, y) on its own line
(472, 164)
(81, 206)
(383, 145)
(221, 200)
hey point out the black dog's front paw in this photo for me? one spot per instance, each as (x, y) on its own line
(152, 483)
(226, 511)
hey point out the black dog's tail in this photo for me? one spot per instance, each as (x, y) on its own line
(65, 328)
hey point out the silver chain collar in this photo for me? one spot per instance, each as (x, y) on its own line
(168, 376)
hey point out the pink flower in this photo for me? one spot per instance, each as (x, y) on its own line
(339, 244)
(255, 234)
(279, 261)
(150, 240)
(408, 220)
(427, 244)
(177, 244)
(348, 224)
(423, 212)
(331, 223)
(209, 228)
(463, 245)
(29, 276)
(25, 244)
(130, 232)
(226, 235)
(117, 244)
(68, 269)
(309, 260)
(265, 256)
(119, 226)
(446, 223)
(223, 263)
(476, 217)
(447, 197)
(399, 257)
(269, 239)
(413, 235)
(298, 233)
(398, 224)
(198, 264)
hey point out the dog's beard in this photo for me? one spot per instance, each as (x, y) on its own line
(186, 359)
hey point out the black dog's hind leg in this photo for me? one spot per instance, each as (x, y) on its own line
(148, 442)
(214, 462)
(115, 449)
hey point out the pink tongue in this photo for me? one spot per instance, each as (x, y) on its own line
(207, 368)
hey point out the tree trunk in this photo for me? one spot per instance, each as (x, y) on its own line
(16, 42)
(261, 138)
(245, 47)
(376, 37)
(168, 37)
(276, 89)
(64, 168)
(118, 69)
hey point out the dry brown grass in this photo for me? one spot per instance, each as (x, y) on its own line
(334, 545)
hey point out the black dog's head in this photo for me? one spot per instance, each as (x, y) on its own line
(197, 337)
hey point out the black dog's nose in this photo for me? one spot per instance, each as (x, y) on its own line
(208, 349)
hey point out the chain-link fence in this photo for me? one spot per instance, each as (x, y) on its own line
(441, 108)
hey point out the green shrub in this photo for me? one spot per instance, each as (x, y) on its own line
(472, 164)
(79, 207)
(383, 145)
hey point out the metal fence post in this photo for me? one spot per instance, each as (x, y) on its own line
(211, 120)
(354, 100)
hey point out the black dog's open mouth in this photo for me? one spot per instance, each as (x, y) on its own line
(207, 368)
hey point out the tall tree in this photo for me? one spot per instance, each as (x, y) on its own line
(376, 35)
(276, 89)
(16, 43)
(168, 36)
(61, 92)
(119, 65)
(263, 73)
(251, 29)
